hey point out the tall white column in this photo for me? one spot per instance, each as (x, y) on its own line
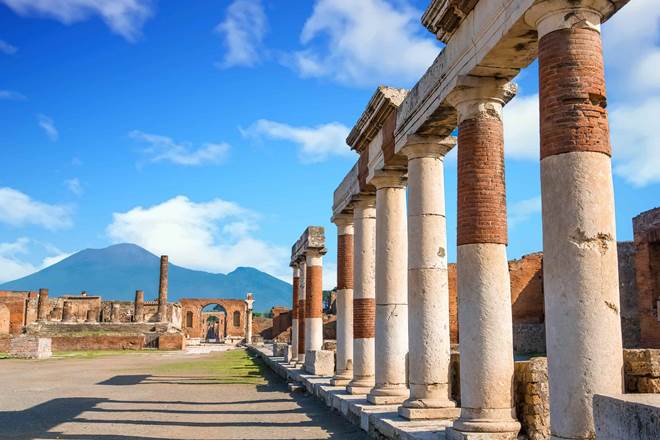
(364, 296)
(302, 322)
(344, 324)
(484, 291)
(428, 285)
(391, 289)
(580, 268)
(294, 313)
(314, 301)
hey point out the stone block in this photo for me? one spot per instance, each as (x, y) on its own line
(30, 347)
(288, 354)
(429, 413)
(644, 362)
(320, 363)
(453, 434)
(627, 416)
(278, 349)
(171, 341)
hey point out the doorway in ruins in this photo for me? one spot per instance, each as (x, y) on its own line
(214, 323)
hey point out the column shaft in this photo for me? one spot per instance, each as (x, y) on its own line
(314, 302)
(162, 289)
(391, 290)
(580, 269)
(428, 288)
(344, 324)
(364, 296)
(294, 313)
(42, 305)
(302, 322)
(138, 312)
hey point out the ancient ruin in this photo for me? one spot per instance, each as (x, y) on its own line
(394, 340)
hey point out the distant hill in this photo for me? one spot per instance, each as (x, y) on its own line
(117, 271)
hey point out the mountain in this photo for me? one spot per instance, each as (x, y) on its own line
(117, 271)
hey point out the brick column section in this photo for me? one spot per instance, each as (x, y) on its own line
(301, 312)
(391, 290)
(294, 313)
(138, 311)
(42, 306)
(364, 295)
(428, 283)
(344, 324)
(484, 291)
(162, 290)
(580, 269)
(313, 301)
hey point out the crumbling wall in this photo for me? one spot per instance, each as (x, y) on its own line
(532, 397)
(642, 370)
(628, 295)
(646, 228)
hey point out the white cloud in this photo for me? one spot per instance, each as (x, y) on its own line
(74, 186)
(213, 236)
(123, 17)
(18, 209)
(521, 128)
(163, 148)
(364, 43)
(7, 48)
(317, 143)
(243, 30)
(635, 142)
(12, 95)
(522, 210)
(48, 126)
(13, 263)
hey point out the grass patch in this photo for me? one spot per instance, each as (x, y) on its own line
(4, 355)
(228, 367)
(94, 354)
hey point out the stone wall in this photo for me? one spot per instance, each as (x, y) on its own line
(628, 295)
(532, 398)
(263, 327)
(16, 303)
(98, 342)
(642, 370)
(646, 227)
(30, 347)
(171, 341)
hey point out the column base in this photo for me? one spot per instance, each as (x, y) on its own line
(341, 380)
(388, 396)
(429, 413)
(491, 423)
(454, 434)
(358, 389)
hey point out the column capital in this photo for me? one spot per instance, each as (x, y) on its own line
(476, 95)
(342, 220)
(314, 257)
(420, 146)
(389, 179)
(296, 271)
(552, 15)
(365, 201)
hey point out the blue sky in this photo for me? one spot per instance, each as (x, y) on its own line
(214, 131)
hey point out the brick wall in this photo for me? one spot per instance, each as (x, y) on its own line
(98, 342)
(646, 227)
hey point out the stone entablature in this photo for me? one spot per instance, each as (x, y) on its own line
(442, 17)
(312, 239)
(346, 192)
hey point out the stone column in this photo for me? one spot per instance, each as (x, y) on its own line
(580, 270)
(248, 318)
(162, 290)
(484, 291)
(91, 315)
(301, 312)
(428, 285)
(391, 290)
(294, 314)
(364, 299)
(42, 305)
(313, 301)
(138, 311)
(67, 312)
(114, 313)
(344, 302)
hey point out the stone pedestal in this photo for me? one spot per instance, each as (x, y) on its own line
(320, 362)
(279, 349)
(364, 296)
(428, 288)
(30, 347)
(391, 290)
(580, 269)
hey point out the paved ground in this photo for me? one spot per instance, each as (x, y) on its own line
(158, 396)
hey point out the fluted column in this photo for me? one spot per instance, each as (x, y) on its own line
(302, 322)
(484, 291)
(162, 290)
(294, 313)
(138, 312)
(428, 288)
(42, 305)
(313, 301)
(344, 368)
(580, 270)
(364, 295)
(391, 290)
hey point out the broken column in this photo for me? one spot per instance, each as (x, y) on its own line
(162, 290)
(391, 289)
(484, 292)
(580, 269)
(294, 313)
(114, 313)
(43, 306)
(428, 285)
(344, 323)
(67, 312)
(364, 296)
(138, 311)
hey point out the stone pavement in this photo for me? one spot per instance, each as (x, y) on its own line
(130, 397)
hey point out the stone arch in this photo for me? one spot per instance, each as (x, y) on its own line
(4, 319)
(198, 327)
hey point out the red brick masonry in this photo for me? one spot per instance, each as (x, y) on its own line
(344, 262)
(364, 318)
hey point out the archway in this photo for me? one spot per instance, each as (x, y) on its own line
(214, 322)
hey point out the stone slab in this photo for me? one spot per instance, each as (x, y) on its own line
(453, 434)
(320, 362)
(429, 413)
(30, 347)
(627, 416)
(396, 427)
(385, 400)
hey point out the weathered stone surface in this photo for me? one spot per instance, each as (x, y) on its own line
(30, 347)
(627, 416)
(279, 349)
(532, 397)
(642, 362)
(171, 341)
(320, 362)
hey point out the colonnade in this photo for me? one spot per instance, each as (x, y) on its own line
(394, 334)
